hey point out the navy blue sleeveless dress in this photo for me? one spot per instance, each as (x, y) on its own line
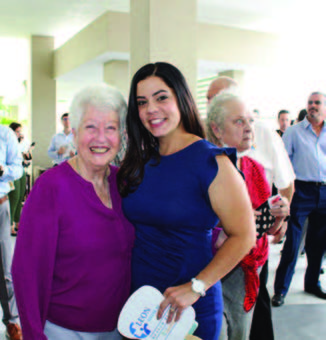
(173, 218)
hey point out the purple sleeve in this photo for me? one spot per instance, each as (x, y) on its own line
(34, 258)
(215, 234)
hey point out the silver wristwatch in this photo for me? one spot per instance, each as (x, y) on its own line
(198, 286)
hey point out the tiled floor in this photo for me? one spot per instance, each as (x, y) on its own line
(296, 294)
(303, 317)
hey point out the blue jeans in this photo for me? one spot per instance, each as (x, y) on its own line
(309, 200)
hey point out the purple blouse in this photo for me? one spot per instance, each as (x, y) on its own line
(72, 257)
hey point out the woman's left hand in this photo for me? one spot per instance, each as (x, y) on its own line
(177, 299)
(281, 208)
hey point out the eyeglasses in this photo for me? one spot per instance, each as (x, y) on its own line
(65, 118)
(317, 102)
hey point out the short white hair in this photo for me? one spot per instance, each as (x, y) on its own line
(102, 97)
(217, 112)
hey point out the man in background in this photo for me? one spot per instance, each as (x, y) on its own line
(62, 144)
(10, 170)
(305, 143)
(284, 121)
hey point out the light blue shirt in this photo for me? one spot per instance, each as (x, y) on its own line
(58, 140)
(10, 159)
(307, 151)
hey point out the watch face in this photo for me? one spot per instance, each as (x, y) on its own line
(198, 286)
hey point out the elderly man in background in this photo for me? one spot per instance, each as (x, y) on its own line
(62, 146)
(269, 151)
(10, 170)
(305, 143)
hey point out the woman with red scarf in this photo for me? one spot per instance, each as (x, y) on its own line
(230, 123)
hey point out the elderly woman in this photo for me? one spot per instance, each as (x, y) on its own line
(71, 267)
(230, 123)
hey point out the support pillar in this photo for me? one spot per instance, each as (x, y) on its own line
(116, 73)
(42, 94)
(164, 31)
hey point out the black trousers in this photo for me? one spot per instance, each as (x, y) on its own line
(262, 324)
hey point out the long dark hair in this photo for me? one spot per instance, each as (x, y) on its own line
(142, 145)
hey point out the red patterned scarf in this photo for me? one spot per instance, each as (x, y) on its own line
(259, 191)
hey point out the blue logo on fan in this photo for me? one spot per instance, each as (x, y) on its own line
(139, 328)
(140, 332)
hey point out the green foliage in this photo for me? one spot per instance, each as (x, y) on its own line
(5, 110)
(6, 120)
(6, 114)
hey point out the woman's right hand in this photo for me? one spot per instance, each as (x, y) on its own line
(177, 299)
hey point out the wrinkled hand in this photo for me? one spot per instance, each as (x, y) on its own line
(281, 208)
(276, 226)
(177, 299)
(278, 236)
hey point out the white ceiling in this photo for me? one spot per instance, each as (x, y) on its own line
(64, 18)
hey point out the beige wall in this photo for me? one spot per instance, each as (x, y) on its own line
(116, 73)
(232, 45)
(108, 33)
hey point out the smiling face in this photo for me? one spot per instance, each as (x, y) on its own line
(98, 137)
(158, 108)
(316, 108)
(238, 126)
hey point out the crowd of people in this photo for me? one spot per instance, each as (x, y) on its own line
(184, 212)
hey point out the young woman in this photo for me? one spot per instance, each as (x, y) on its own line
(176, 187)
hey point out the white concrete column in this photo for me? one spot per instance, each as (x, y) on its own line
(116, 73)
(164, 31)
(42, 95)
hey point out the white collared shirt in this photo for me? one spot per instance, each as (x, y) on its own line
(270, 152)
(58, 140)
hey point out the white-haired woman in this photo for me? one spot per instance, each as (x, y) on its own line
(230, 123)
(71, 267)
